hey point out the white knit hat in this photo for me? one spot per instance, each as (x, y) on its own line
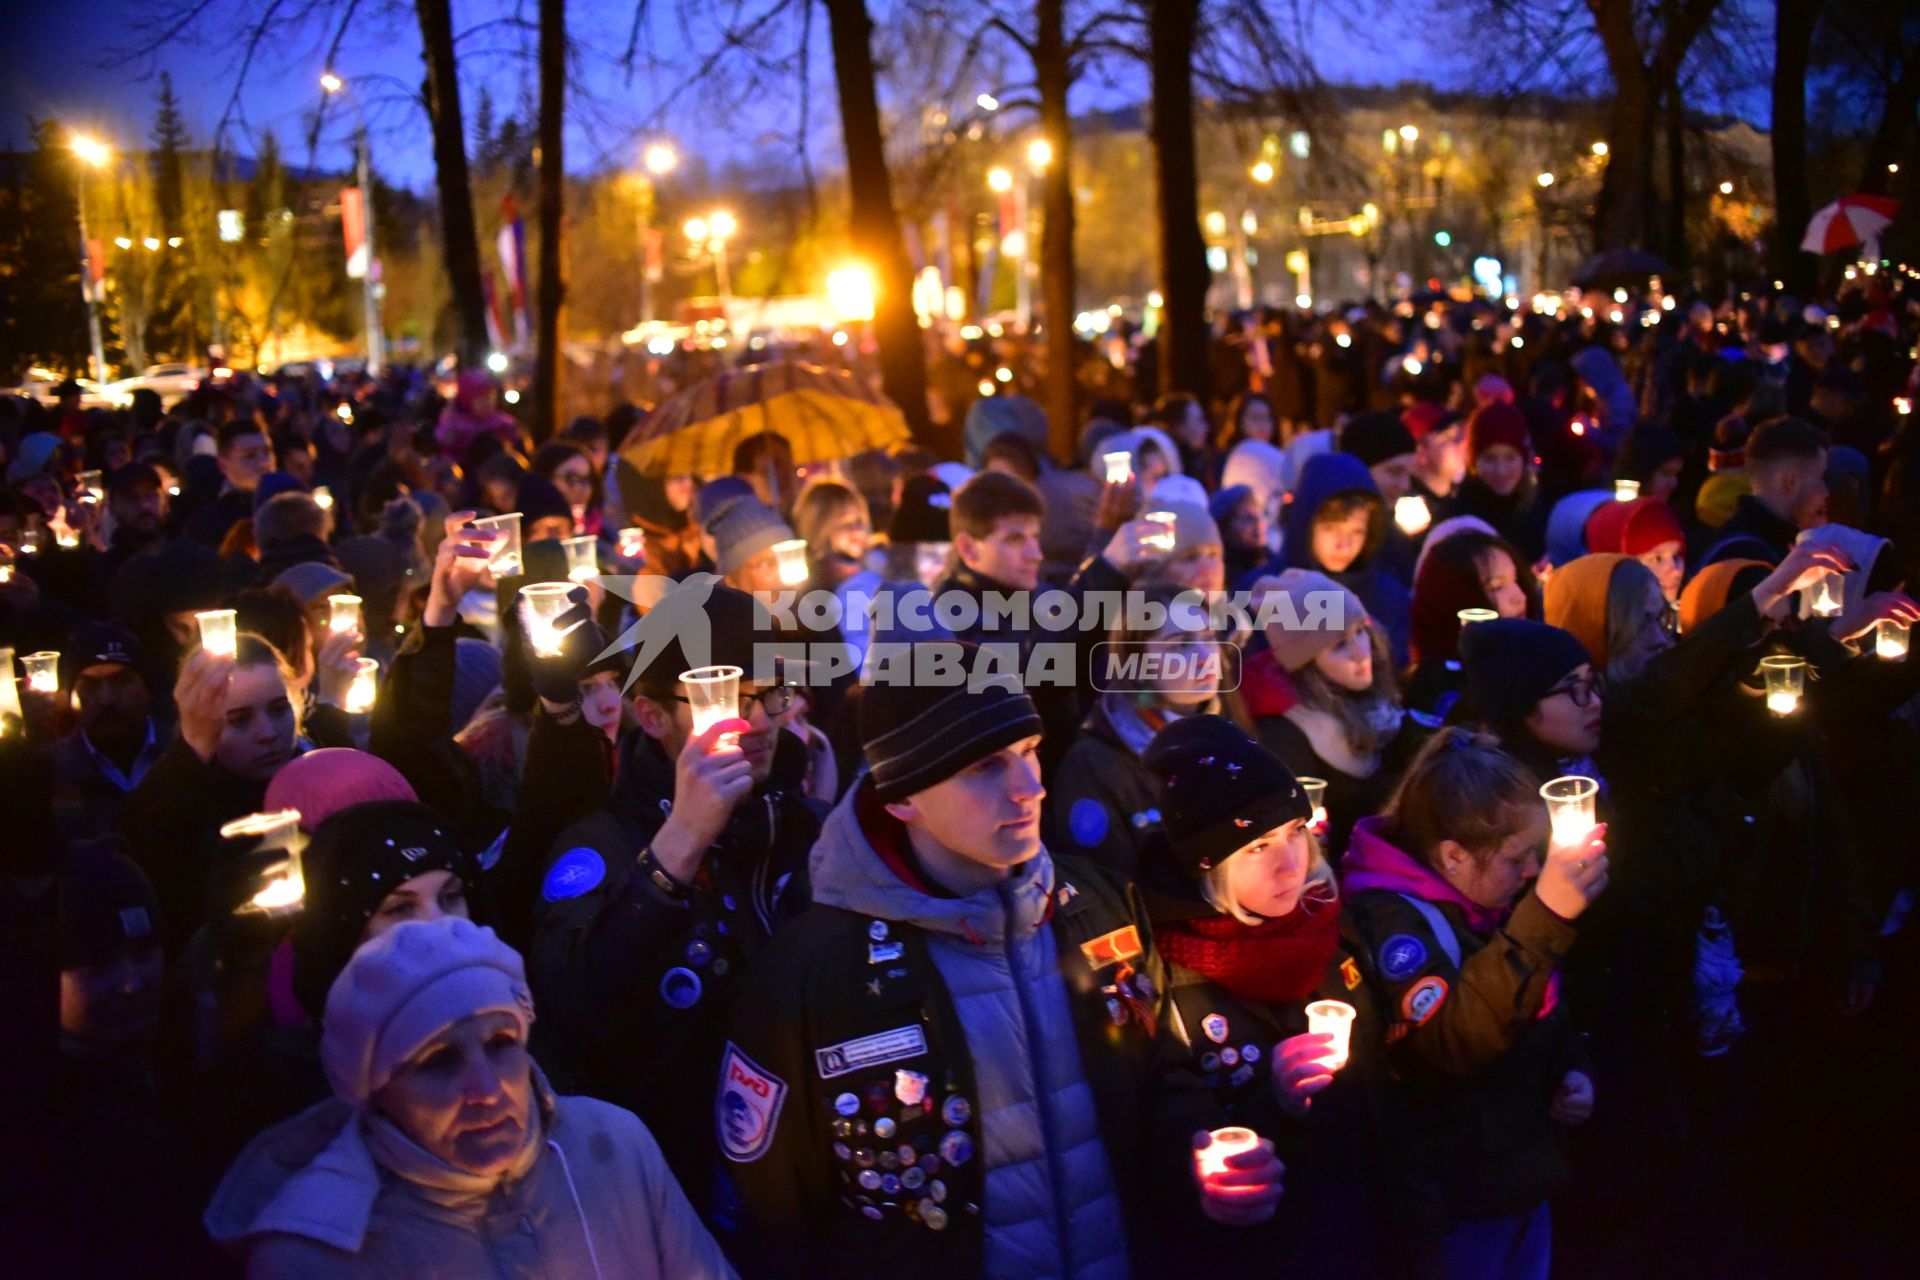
(406, 986)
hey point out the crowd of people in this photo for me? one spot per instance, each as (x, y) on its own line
(380, 898)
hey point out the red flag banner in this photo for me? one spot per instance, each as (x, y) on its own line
(353, 225)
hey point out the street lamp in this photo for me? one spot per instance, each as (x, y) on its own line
(999, 180)
(1262, 172)
(332, 85)
(987, 102)
(1039, 154)
(660, 158)
(1409, 134)
(1726, 188)
(1545, 180)
(1600, 150)
(96, 154)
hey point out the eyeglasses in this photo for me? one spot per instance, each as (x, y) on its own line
(1584, 693)
(774, 702)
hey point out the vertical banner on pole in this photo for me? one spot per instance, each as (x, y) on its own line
(96, 281)
(512, 246)
(496, 331)
(353, 226)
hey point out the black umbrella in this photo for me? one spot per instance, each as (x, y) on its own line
(1620, 267)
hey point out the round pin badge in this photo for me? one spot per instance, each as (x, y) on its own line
(1209, 1062)
(1249, 1053)
(841, 1151)
(680, 988)
(846, 1104)
(1229, 1057)
(872, 1211)
(956, 1148)
(935, 1218)
(956, 1110)
(864, 1157)
(907, 1155)
(913, 1179)
(938, 1192)
(698, 953)
(884, 1127)
(890, 1183)
(869, 1180)
(877, 931)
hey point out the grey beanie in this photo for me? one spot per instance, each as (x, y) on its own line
(742, 530)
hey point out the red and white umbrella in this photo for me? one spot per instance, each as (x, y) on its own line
(1849, 221)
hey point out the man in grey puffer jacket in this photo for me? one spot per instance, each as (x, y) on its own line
(934, 1070)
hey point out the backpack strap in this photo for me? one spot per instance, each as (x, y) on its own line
(1437, 921)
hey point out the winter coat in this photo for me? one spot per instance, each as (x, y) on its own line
(1326, 476)
(323, 1195)
(922, 1084)
(86, 798)
(1520, 517)
(412, 728)
(1302, 738)
(633, 974)
(172, 822)
(1476, 1031)
(1103, 804)
(1752, 532)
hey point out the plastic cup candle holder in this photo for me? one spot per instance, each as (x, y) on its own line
(713, 694)
(66, 536)
(1570, 808)
(1826, 596)
(1163, 538)
(504, 561)
(363, 687)
(43, 671)
(1119, 466)
(6, 572)
(583, 557)
(10, 713)
(1332, 1018)
(343, 613)
(1626, 490)
(546, 601)
(284, 888)
(218, 635)
(1786, 678)
(1470, 616)
(323, 498)
(1223, 1145)
(1316, 789)
(1891, 640)
(1412, 514)
(791, 556)
(90, 487)
(633, 544)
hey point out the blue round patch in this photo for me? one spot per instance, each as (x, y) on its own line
(1087, 822)
(680, 987)
(573, 873)
(1401, 956)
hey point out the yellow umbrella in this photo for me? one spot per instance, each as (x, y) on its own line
(823, 414)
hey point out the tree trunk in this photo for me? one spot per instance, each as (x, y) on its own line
(1183, 251)
(1892, 140)
(1054, 75)
(875, 222)
(553, 101)
(1621, 214)
(1792, 200)
(1676, 249)
(459, 237)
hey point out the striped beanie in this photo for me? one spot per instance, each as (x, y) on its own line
(917, 736)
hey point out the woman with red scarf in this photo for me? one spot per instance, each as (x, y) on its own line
(1467, 915)
(1246, 915)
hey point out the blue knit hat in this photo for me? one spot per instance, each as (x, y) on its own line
(743, 530)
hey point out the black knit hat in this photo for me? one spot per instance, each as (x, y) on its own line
(1512, 663)
(922, 516)
(356, 858)
(106, 904)
(917, 736)
(98, 644)
(538, 499)
(1375, 437)
(1222, 790)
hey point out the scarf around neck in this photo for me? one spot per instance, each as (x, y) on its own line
(1278, 962)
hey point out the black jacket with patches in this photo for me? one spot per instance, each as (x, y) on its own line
(633, 978)
(1102, 803)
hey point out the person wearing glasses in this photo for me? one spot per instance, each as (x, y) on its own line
(650, 906)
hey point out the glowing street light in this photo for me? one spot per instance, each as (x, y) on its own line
(1545, 180)
(998, 179)
(1409, 134)
(1726, 188)
(1262, 172)
(150, 243)
(331, 82)
(95, 154)
(91, 150)
(660, 158)
(723, 224)
(1600, 149)
(850, 290)
(1039, 153)
(987, 102)
(696, 230)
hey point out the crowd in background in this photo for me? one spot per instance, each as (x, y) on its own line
(884, 978)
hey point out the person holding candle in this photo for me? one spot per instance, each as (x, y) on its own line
(1381, 440)
(1334, 712)
(648, 906)
(744, 534)
(1468, 914)
(1500, 487)
(1247, 916)
(444, 1149)
(1786, 465)
(116, 737)
(1468, 569)
(1336, 524)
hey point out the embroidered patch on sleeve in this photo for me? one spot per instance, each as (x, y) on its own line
(1088, 821)
(1401, 956)
(573, 873)
(1423, 1000)
(748, 1107)
(1118, 947)
(870, 1051)
(1350, 973)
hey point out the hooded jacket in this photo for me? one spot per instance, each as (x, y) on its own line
(1325, 477)
(1476, 1028)
(1103, 804)
(311, 1198)
(918, 1083)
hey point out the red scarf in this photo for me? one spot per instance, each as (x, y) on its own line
(1279, 962)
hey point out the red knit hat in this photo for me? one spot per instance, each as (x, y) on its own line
(1493, 424)
(1608, 524)
(1650, 523)
(1424, 416)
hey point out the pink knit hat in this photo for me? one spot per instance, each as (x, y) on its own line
(321, 783)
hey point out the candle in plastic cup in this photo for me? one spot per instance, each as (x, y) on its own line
(633, 544)
(65, 535)
(10, 713)
(1826, 596)
(88, 483)
(1222, 1145)
(1786, 678)
(1163, 539)
(43, 671)
(714, 695)
(504, 559)
(1891, 640)
(30, 542)
(365, 684)
(1119, 466)
(323, 498)
(583, 557)
(6, 573)
(1570, 808)
(1332, 1018)
(343, 613)
(284, 888)
(1626, 490)
(546, 601)
(1316, 789)
(791, 556)
(1411, 513)
(217, 632)
(1470, 616)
